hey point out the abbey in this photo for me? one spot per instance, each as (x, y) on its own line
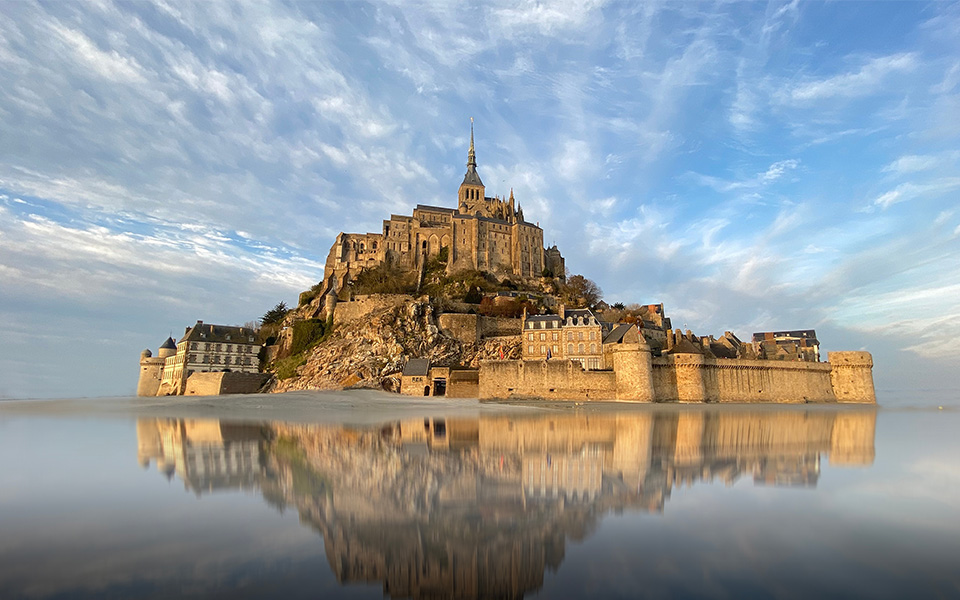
(482, 233)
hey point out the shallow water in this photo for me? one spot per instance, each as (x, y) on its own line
(720, 502)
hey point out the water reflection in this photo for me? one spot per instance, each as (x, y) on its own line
(474, 508)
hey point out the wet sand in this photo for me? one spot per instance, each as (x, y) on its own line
(368, 407)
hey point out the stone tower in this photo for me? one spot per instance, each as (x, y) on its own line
(471, 196)
(151, 368)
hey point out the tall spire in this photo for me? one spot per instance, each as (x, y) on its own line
(471, 156)
(471, 178)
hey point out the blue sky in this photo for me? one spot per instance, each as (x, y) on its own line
(752, 166)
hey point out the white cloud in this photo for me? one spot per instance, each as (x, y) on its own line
(110, 65)
(864, 81)
(911, 191)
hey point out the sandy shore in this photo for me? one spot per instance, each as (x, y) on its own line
(351, 406)
(362, 407)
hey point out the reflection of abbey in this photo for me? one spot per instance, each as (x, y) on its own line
(482, 507)
(482, 233)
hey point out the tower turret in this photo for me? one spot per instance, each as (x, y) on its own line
(471, 190)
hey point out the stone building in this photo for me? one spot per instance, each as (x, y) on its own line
(483, 233)
(574, 334)
(203, 348)
(800, 344)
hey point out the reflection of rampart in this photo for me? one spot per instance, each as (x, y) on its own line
(206, 454)
(476, 508)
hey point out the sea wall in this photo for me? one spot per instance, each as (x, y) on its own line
(852, 376)
(463, 383)
(685, 378)
(216, 383)
(694, 378)
(554, 379)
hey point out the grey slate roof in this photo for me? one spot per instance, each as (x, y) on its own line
(169, 344)
(472, 177)
(417, 367)
(205, 332)
(616, 336)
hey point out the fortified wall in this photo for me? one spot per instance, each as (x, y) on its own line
(690, 378)
(215, 383)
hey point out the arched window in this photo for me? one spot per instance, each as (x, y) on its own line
(580, 348)
(569, 348)
(593, 348)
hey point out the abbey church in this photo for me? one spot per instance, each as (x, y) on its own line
(482, 233)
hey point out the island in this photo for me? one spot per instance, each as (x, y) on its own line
(468, 302)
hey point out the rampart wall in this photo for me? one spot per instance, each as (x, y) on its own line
(470, 329)
(363, 305)
(463, 383)
(685, 378)
(216, 383)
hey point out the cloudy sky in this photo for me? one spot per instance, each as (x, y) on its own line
(752, 166)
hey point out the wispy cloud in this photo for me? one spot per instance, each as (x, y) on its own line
(863, 81)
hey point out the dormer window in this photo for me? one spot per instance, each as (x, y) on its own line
(228, 337)
(203, 335)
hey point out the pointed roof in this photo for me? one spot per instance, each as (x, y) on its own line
(169, 344)
(471, 178)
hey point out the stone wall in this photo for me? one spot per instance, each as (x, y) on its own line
(684, 378)
(852, 376)
(461, 327)
(554, 379)
(470, 329)
(217, 383)
(463, 383)
(364, 305)
(151, 374)
(499, 326)
(693, 378)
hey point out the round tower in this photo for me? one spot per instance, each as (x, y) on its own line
(151, 370)
(168, 348)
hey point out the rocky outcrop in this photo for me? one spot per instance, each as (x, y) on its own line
(371, 352)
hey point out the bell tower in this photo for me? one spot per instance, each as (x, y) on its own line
(471, 196)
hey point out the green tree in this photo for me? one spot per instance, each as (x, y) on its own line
(580, 292)
(275, 315)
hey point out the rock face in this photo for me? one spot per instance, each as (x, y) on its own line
(371, 352)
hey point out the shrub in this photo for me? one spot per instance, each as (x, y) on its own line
(285, 368)
(306, 335)
(384, 280)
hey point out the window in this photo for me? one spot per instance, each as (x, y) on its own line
(592, 335)
(580, 348)
(556, 349)
(580, 336)
(543, 349)
(556, 336)
(530, 349)
(569, 336)
(530, 337)
(543, 337)
(193, 345)
(229, 346)
(569, 348)
(593, 348)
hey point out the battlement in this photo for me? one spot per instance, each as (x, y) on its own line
(685, 378)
